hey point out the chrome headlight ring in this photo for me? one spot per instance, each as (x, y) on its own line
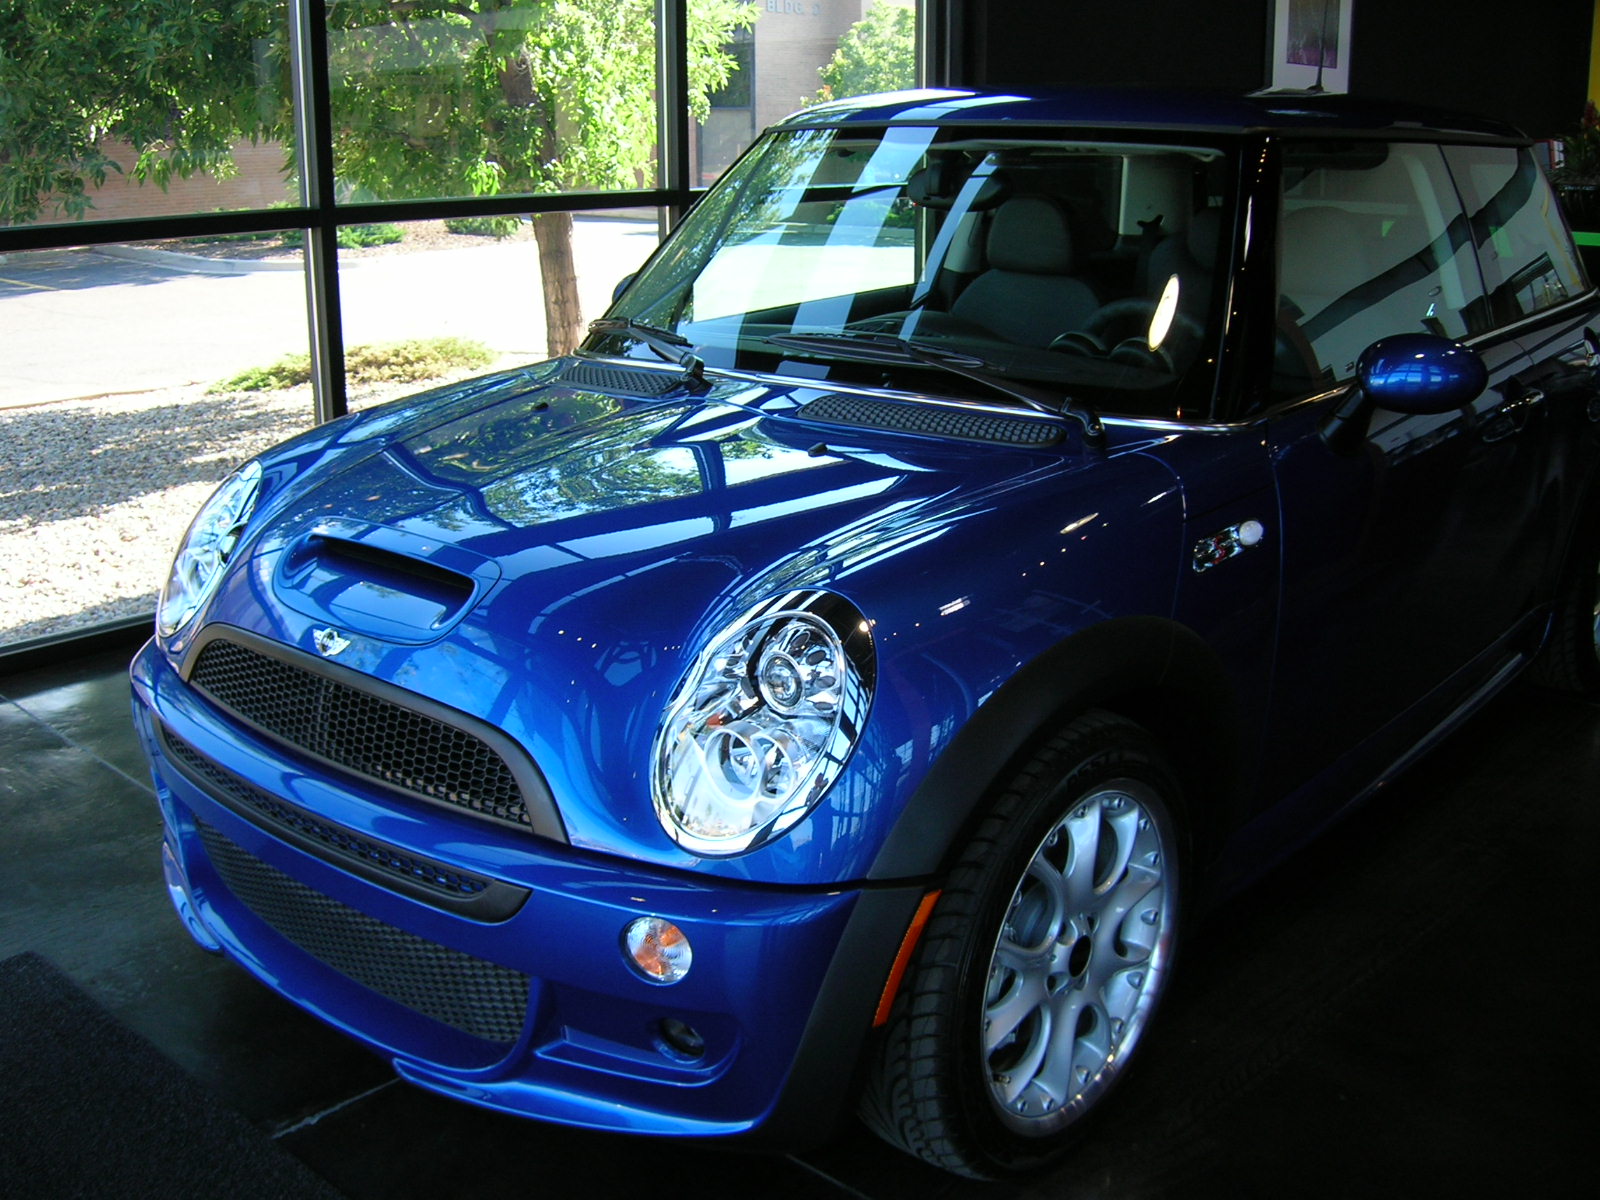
(763, 722)
(207, 548)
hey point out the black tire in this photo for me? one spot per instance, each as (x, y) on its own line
(1570, 659)
(959, 1078)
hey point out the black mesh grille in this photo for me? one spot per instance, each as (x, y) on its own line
(627, 381)
(360, 732)
(479, 998)
(341, 843)
(839, 409)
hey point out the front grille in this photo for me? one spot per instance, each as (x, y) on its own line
(479, 998)
(471, 895)
(970, 426)
(353, 729)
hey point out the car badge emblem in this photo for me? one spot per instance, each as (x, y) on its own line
(328, 642)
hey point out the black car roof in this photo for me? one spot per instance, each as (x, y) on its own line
(1156, 109)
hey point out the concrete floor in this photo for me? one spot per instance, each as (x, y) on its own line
(1405, 1009)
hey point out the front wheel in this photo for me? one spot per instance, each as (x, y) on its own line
(1042, 962)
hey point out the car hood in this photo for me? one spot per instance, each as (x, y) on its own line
(551, 558)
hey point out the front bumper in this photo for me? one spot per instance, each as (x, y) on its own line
(527, 1005)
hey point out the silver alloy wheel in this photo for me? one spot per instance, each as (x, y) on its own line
(1080, 958)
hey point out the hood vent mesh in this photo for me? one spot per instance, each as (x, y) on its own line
(624, 381)
(930, 419)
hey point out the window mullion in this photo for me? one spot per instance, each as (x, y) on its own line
(308, 48)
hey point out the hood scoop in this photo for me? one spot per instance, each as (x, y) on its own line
(933, 420)
(383, 582)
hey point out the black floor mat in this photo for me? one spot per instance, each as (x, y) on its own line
(90, 1109)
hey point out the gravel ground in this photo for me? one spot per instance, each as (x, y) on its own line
(94, 494)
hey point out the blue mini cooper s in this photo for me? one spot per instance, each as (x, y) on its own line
(986, 527)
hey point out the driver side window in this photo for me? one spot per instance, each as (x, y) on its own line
(1372, 241)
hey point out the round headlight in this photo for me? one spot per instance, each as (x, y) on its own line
(763, 723)
(207, 548)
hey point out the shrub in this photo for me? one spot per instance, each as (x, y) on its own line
(392, 362)
(352, 237)
(495, 227)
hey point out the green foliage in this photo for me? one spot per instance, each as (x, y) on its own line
(413, 360)
(877, 54)
(181, 81)
(1580, 153)
(391, 362)
(495, 227)
(495, 96)
(287, 372)
(352, 237)
(431, 98)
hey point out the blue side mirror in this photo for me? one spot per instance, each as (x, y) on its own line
(622, 286)
(1418, 373)
(1421, 373)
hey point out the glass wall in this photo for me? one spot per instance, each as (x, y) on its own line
(792, 54)
(144, 110)
(465, 295)
(223, 220)
(116, 418)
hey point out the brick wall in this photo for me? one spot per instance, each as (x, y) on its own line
(258, 183)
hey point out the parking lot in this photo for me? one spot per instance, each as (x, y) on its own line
(87, 322)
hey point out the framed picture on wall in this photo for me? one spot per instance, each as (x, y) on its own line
(1311, 44)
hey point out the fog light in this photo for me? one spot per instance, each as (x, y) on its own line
(678, 1039)
(657, 949)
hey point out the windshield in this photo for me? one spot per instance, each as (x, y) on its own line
(1086, 268)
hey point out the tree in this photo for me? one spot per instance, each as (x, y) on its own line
(180, 80)
(430, 98)
(494, 96)
(877, 54)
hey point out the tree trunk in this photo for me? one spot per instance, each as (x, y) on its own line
(563, 315)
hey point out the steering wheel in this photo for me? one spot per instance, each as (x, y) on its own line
(1120, 331)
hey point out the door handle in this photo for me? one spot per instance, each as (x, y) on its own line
(1511, 417)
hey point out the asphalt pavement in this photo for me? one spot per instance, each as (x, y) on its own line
(80, 323)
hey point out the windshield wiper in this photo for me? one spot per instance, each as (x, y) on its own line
(885, 347)
(673, 347)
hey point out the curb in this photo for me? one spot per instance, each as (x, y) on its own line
(171, 260)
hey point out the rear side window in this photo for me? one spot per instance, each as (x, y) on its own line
(1523, 245)
(1372, 241)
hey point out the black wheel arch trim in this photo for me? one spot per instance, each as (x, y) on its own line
(825, 1074)
(1152, 670)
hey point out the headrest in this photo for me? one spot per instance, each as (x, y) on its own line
(1030, 234)
(938, 184)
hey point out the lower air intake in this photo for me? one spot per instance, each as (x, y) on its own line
(479, 998)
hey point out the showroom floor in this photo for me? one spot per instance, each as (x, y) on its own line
(1405, 1009)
